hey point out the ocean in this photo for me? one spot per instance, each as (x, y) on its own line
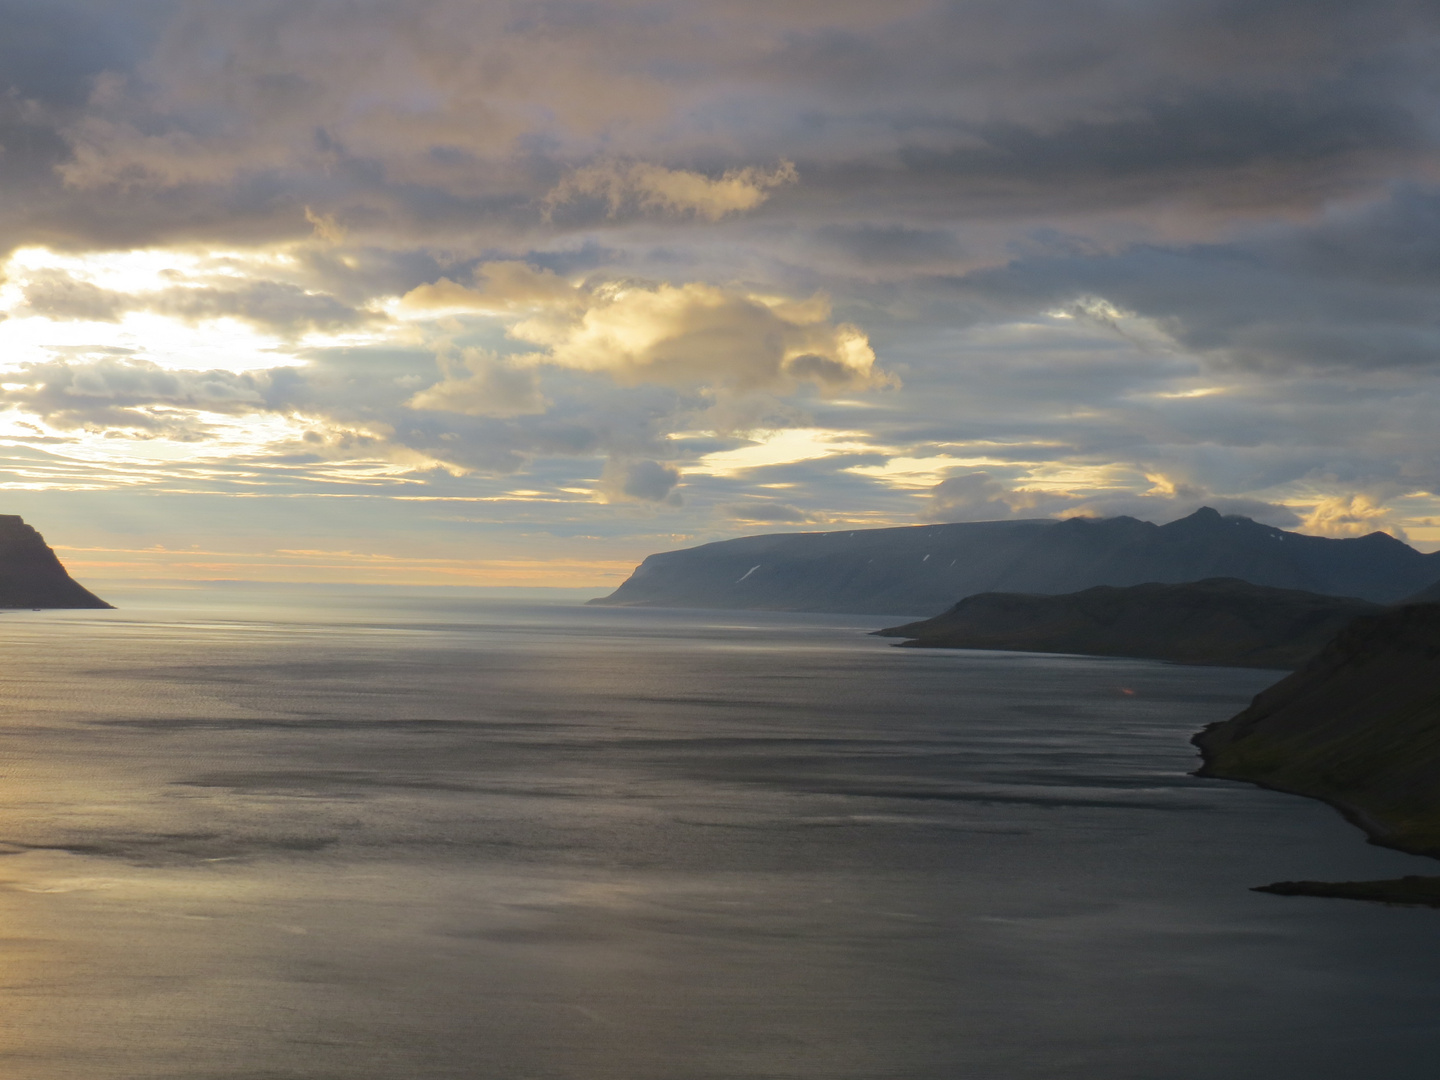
(361, 835)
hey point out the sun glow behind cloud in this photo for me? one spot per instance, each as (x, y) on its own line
(179, 309)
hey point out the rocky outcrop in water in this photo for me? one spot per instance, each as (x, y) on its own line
(1220, 621)
(31, 576)
(923, 569)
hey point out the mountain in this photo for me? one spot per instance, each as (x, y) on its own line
(1358, 727)
(1429, 595)
(30, 574)
(923, 569)
(1220, 621)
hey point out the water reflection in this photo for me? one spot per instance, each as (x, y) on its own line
(391, 838)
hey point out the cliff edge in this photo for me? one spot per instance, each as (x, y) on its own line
(31, 575)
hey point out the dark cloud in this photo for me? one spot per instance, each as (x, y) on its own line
(59, 296)
(280, 307)
(892, 245)
(1353, 292)
(210, 118)
(643, 481)
(128, 394)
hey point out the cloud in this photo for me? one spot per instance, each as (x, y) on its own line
(281, 307)
(57, 295)
(492, 388)
(893, 245)
(1354, 291)
(278, 306)
(979, 496)
(764, 513)
(459, 122)
(1352, 515)
(976, 496)
(688, 335)
(640, 481)
(705, 335)
(1102, 243)
(649, 187)
(128, 394)
(501, 288)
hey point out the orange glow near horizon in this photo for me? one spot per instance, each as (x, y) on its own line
(96, 566)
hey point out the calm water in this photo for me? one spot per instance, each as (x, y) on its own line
(254, 835)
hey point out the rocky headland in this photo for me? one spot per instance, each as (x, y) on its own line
(31, 575)
(1221, 621)
(1359, 728)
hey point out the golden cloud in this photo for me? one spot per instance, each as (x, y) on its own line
(677, 191)
(692, 334)
(484, 385)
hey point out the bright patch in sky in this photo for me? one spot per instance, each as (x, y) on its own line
(782, 448)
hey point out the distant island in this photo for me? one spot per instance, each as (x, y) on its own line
(924, 569)
(31, 575)
(1222, 621)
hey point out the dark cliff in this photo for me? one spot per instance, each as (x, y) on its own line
(924, 569)
(1358, 726)
(31, 575)
(1220, 621)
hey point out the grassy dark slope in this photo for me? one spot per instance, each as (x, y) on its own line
(1358, 726)
(1219, 621)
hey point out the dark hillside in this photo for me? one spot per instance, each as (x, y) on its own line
(1219, 621)
(1359, 727)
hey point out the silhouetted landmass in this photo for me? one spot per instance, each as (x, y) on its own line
(924, 569)
(1358, 727)
(1413, 890)
(31, 575)
(1430, 595)
(1220, 621)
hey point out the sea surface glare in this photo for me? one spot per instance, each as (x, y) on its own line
(340, 836)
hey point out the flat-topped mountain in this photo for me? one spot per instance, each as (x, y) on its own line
(31, 575)
(923, 569)
(1220, 621)
(1358, 726)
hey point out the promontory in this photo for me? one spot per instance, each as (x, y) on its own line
(31, 575)
(1221, 621)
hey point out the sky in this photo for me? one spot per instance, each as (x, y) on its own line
(515, 293)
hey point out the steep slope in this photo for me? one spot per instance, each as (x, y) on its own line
(31, 575)
(924, 569)
(1359, 727)
(1218, 621)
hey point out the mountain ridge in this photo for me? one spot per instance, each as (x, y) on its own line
(924, 569)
